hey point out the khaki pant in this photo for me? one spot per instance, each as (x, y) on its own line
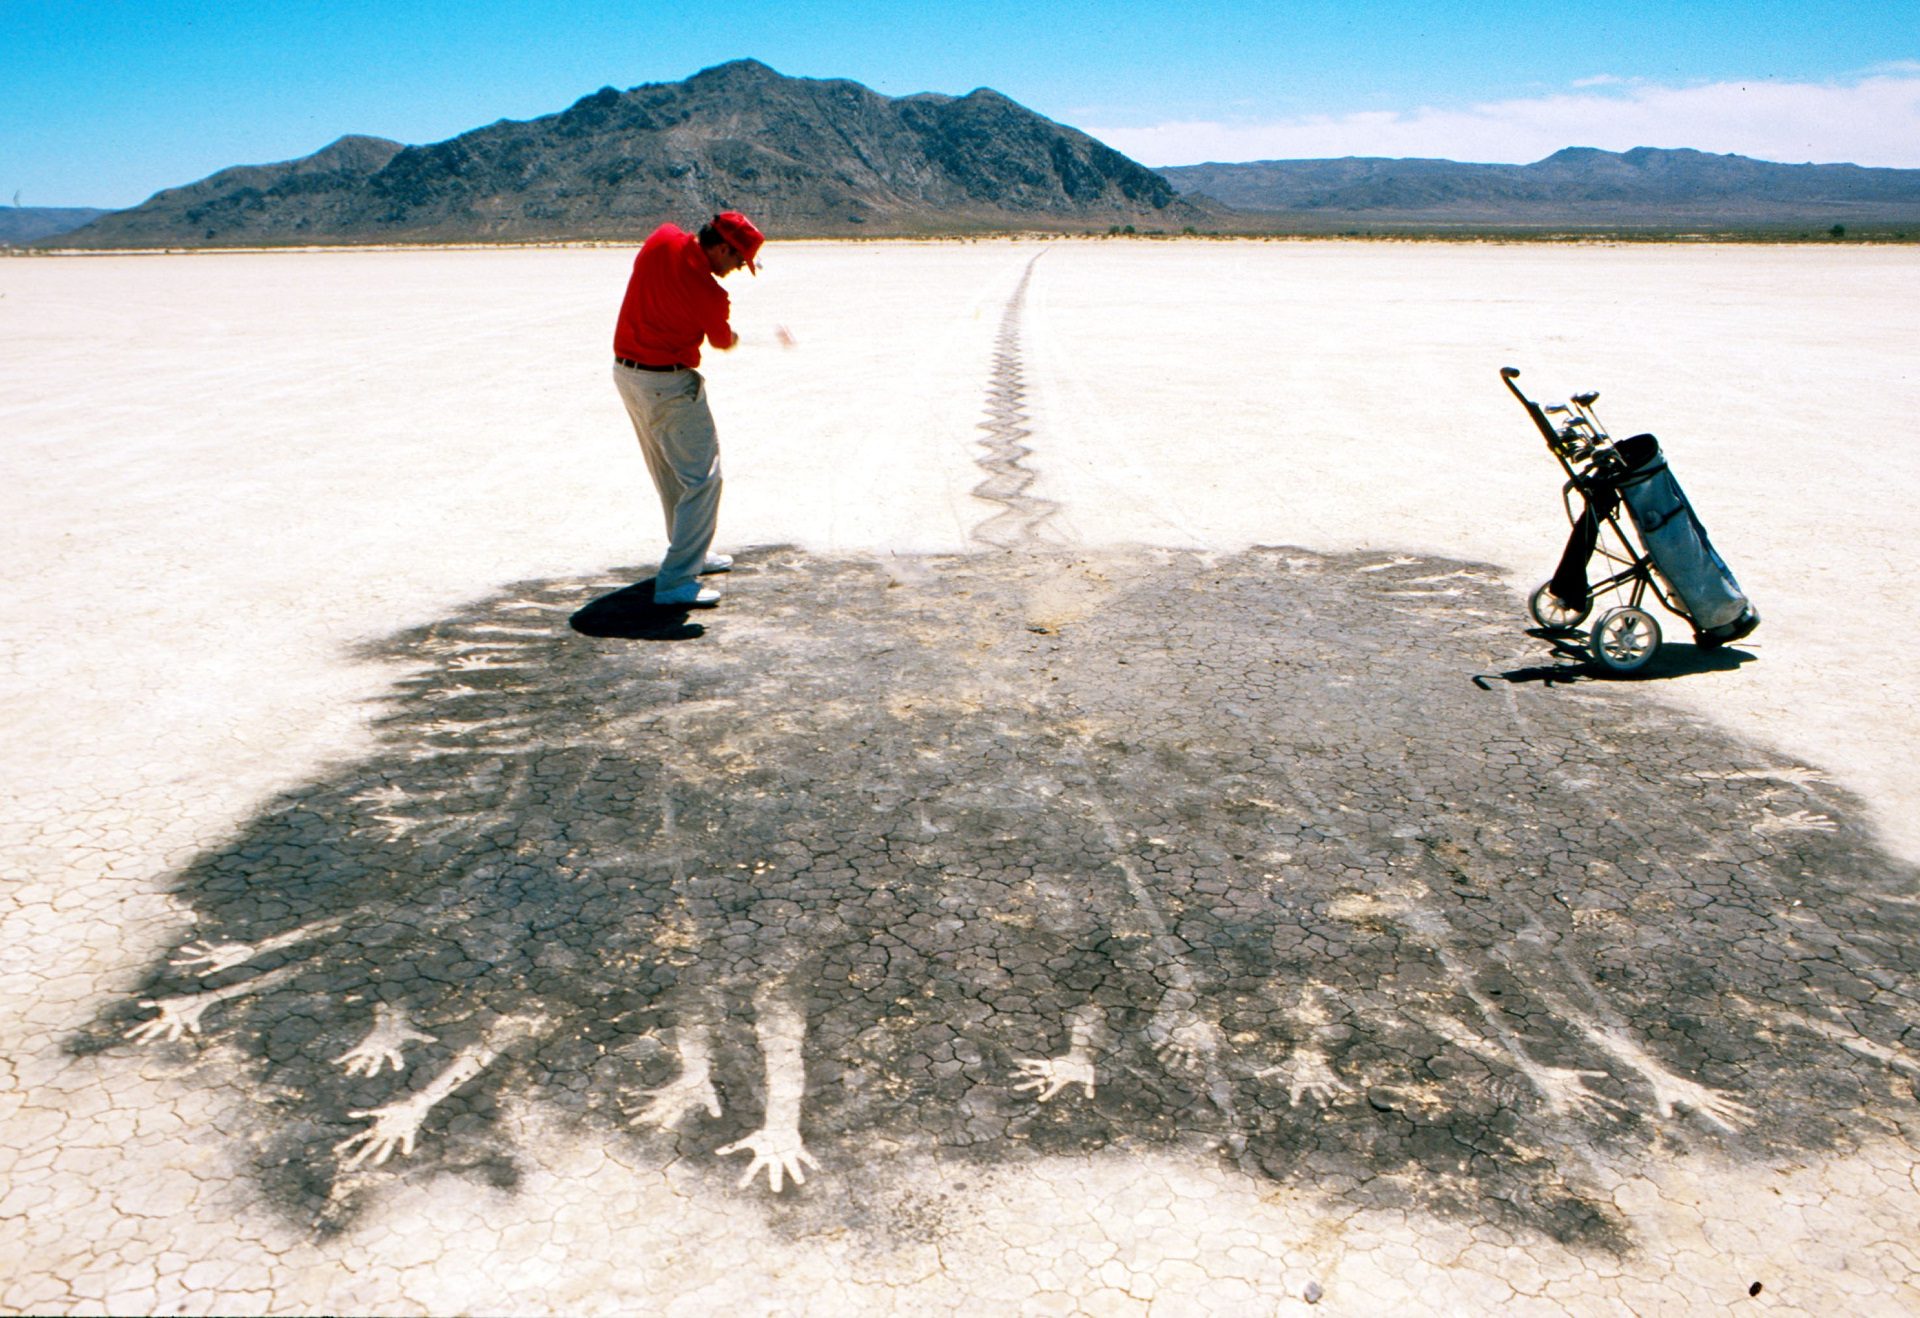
(675, 428)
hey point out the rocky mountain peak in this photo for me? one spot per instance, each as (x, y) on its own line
(804, 156)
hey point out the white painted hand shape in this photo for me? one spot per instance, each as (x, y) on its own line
(212, 958)
(1670, 1091)
(673, 1102)
(779, 1150)
(472, 663)
(1800, 821)
(178, 1018)
(1184, 1041)
(1566, 1093)
(1563, 1089)
(1673, 1092)
(1050, 1075)
(395, 1126)
(1307, 1074)
(391, 1033)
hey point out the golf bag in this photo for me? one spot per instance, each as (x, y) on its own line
(1674, 539)
(1665, 557)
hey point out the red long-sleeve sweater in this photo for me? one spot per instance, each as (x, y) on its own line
(672, 303)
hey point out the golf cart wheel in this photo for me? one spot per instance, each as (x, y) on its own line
(1552, 613)
(1624, 639)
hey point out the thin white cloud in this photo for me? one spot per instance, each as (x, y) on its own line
(1873, 120)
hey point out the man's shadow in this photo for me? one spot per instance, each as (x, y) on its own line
(629, 614)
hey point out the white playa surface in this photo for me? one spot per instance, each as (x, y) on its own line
(222, 473)
(240, 464)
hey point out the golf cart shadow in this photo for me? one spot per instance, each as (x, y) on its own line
(630, 614)
(1670, 660)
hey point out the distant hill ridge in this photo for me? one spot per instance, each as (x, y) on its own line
(803, 156)
(24, 224)
(831, 157)
(1645, 185)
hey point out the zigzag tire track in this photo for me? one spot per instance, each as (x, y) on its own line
(1021, 515)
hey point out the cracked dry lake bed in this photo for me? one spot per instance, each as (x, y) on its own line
(1052, 926)
(993, 859)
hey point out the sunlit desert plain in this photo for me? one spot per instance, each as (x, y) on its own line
(231, 478)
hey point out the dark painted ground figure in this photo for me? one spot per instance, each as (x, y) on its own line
(1271, 873)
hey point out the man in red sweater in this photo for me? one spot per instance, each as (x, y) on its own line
(673, 302)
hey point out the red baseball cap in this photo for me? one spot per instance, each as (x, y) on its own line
(740, 234)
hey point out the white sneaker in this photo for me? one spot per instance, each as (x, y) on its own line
(717, 563)
(690, 595)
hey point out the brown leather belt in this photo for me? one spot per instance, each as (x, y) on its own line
(642, 366)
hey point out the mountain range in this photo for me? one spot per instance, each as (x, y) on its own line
(800, 155)
(829, 157)
(1580, 185)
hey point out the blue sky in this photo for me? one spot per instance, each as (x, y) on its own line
(105, 103)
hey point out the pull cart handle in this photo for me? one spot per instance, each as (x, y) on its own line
(1508, 374)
